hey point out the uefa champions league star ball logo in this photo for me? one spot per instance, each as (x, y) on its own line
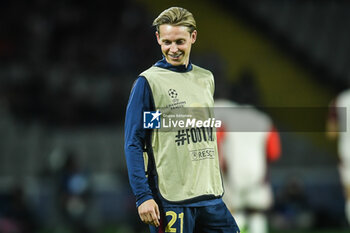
(173, 94)
(174, 101)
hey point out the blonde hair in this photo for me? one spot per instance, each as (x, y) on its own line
(176, 16)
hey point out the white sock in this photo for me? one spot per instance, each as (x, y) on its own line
(257, 223)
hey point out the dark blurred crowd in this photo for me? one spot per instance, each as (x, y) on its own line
(72, 62)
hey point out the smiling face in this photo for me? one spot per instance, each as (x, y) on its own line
(176, 43)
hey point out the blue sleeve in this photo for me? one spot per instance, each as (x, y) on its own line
(140, 100)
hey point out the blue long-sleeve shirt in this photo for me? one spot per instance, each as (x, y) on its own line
(141, 100)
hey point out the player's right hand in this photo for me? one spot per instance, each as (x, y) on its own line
(149, 213)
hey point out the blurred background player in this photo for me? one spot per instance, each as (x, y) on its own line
(247, 142)
(338, 128)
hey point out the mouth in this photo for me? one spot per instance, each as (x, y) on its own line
(175, 56)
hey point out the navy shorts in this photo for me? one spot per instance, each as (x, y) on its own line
(208, 219)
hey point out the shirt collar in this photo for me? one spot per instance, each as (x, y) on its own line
(181, 68)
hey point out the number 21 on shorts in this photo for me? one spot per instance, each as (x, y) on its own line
(174, 217)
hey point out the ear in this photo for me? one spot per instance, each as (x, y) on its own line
(194, 36)
(158, 38)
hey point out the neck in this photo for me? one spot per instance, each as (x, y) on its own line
(178, 68)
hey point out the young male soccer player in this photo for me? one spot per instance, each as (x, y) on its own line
(177, 183)
(247, 146)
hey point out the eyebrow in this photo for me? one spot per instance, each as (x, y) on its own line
(174, 40)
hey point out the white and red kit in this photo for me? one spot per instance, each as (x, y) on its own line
(343, 101)
(339, 121)
(247, 142)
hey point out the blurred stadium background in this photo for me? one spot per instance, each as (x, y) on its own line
(66, 69)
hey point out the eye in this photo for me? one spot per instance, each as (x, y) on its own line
(166, 42)
(180, 42)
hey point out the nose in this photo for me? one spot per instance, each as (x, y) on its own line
(173, 48)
